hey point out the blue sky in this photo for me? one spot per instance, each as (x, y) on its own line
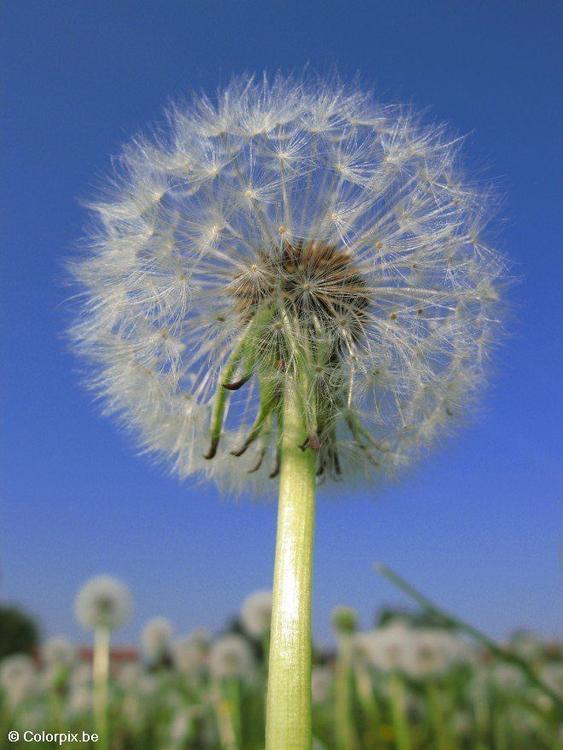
(478, 526)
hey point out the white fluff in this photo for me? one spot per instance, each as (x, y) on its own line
(231, 656)
(156, 639)
(103, 602)
(256, 613)
(197, 225)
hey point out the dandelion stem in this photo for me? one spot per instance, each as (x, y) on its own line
(368, 703)
(224, 717)
(398, 701)
(288, 713)
(437, 719)
(101, 675)
(345, 737)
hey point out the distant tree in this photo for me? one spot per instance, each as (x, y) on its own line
(19, 633)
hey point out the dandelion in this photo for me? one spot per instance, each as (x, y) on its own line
(434, 652)
(389, 648)
(230, 661)
(58, 652)
(103, 604)
(57, 657)
(292, 283)
(18, 678)
(156, 640)
(256, 613)
(231, 656)
(190, 653)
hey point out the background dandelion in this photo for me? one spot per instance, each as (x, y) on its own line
(103, 604)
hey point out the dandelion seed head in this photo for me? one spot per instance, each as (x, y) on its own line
(58, 651)
(417, 652)
(18, 678)
(190, 653)
(156, 639)
(103, 602)
(231, 656)
(288, 229)
(256, 613)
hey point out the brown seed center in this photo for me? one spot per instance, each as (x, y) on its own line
(318, 284)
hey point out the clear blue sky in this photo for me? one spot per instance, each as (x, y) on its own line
(478, 526)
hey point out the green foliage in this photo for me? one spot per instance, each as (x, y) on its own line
(19, 633)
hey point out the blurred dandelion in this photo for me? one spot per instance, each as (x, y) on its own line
(58, 651)
(190, 653)
(231, 656)
(18, 678)
(103, 604)
(231, 662)
(256, 613)
(156, 641)
(293, 281)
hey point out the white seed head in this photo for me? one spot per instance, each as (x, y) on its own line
(156, 639)
(387, 648)
(103, 602)
(417, 652)
(256, 613)
(190, 653)
(435, 651)
(288, 235)
(231, 656)
(18, 678)
(58, 652)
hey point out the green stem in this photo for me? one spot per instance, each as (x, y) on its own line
(345, 738)
(368, 702)
(101, 676)
(437, 718)
(232, 691)
(288, 711)
(224, 718)
(399, 712)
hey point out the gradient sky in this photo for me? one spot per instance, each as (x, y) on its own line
(477, 526)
